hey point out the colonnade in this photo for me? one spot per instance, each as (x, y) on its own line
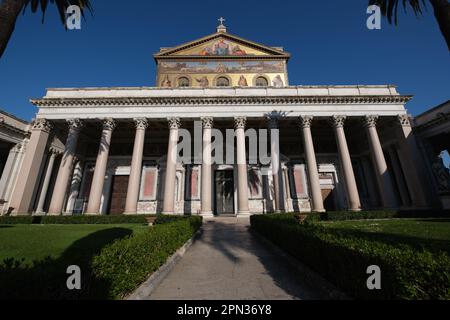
(65, 170)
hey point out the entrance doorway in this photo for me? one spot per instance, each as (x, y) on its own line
(224, 190)
(329, 202)
(118, 195)
(327, 184)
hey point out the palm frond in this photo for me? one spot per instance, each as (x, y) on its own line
(389, 8)
(61, 6)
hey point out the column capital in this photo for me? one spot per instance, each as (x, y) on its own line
(75, 124)
(54, 151)
(17, 147)
(174, 123)
(404, 121)
(109, 124)
(370, 121)
(42, 125)
(272, 122)
(240, 122)
(207, 122)
(306, 121)
(337, 121)
(141, 123)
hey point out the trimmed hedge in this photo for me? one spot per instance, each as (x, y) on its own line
(81, 219)
(377, 214)
(112, 270)
(16, 220)
(128, 262)
(406, 273)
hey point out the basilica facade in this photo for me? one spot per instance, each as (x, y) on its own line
(112, 150)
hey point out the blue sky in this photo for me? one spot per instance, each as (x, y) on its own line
(328, 40)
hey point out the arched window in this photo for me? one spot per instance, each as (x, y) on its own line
(183, 82)
(262, 82)
(222, 82)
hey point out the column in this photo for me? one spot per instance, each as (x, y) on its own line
(7, 171)
(354, 203)
(98, 180)
(20, 149)
(48, 175)
(171, 166)
(379, 163)
(398, 174)
(74, 186)
(410, 161)
(276, 165)
(239, 126)
(136, 167)
(311, 163)
(65, 168)
(29, 172)
(206, 209)
(372, 185)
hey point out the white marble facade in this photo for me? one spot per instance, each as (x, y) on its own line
(339, 147)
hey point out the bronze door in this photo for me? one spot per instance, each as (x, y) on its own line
(118, 195)
(224, 192)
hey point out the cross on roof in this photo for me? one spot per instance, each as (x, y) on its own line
(221, 20)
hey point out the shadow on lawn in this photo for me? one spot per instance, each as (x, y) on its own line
(433, 245)
(46, 279)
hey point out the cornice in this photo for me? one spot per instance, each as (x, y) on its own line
(438, 120)
(196, 101)
(223, 58)
(12, 128)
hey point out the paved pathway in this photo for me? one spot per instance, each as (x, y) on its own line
(228, 262)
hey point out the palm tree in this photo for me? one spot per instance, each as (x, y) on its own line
(10, 10)
(441, 9)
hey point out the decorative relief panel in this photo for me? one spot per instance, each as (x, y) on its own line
(299, 186)
(193, 183)
(149, 183)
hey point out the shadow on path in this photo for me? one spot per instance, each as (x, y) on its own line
(228, 262)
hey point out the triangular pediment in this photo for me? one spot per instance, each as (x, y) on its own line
(222, 45)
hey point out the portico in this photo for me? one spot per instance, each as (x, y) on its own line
(316, 166)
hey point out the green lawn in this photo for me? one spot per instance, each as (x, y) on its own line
(432, 234)
(71, 242)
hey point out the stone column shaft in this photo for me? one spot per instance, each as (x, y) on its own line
(46, 183)
(7, 171)
(98, 180)
(354, 203)
(311, 163)
(136, 167)
(379, 162)
(15, 174)
(409, 159)
(206, 201)
(276, 164)
(404, 195)
(74, 186)
(372, 186)
(171, 167)
(65, 168)
(243, 207)
(29, 171)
